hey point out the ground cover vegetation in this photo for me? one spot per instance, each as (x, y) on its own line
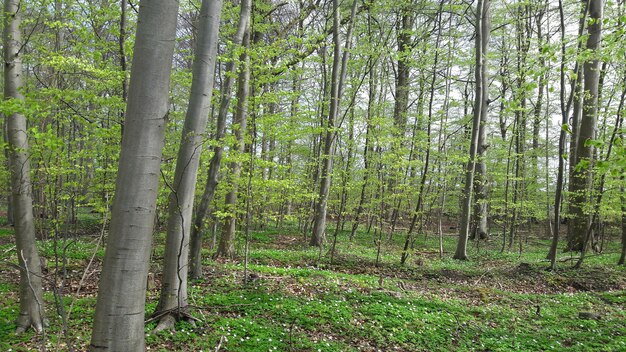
(313, 175)
(295, 300)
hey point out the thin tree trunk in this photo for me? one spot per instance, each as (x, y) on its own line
(622, 257)
(368, 149)
(214, 166)
(537, 113)
(480, 230)
(418, 214)
(174, 277)
(31, 293)
(523, 29)
(562, 139)
(337, 78)
(482, 34)
(119, 317)
(344, 185)
(226, 247)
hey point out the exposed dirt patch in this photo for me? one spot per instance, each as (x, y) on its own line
(286, 241)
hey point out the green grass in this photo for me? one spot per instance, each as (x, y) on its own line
(300, 301)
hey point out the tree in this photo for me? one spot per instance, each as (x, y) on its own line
(480, 103)
(218, 149)
(173, 299)
(581, 181)
(31, 293)
(226, 246)
(479, 229)
(338, 75)
(562, 136)
(422, 185)
(119, 317)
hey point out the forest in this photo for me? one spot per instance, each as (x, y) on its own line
(322, 175)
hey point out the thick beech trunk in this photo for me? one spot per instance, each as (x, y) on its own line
(119, 317)
(31, 294)
(174, 278)
(575, 100)
(581, 181)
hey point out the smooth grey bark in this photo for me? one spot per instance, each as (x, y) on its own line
(480, 229)
(173, 296)
(562, 139)
(482, 34)
(31, 293)
(326, 153)
(7, 155)
(119, 317)
(575, 100)
(581, 181)
(226, 247)
(195, 271)
(338, 75)
(122, 53)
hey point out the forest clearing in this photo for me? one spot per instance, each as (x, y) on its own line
(322, 175)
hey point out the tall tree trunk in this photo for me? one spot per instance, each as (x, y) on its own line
(562, 139)
(122, 54)
(582, 177)
(226, 246)
(401, 103)
(336, 87)
(480, 229)
(7, 155)
(31, 294)
(174, 277)
(523, 29)
(368, 149)
(418, 213)
(541, 90)
(119, 317)
(482, 34)
(575, 100)
(214, 166)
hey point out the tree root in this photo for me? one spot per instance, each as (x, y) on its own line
(166, 322)
(24, 322)
(168, 318)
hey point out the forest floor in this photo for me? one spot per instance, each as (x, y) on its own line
(297, 300)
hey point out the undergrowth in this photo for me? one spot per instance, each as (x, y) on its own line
(296, 299)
